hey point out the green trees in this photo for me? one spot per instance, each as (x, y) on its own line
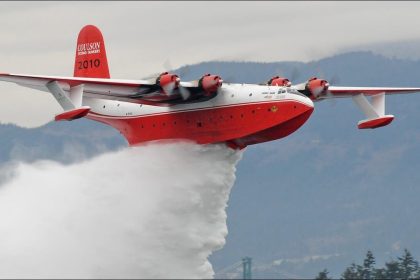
(352, 272)
(408, 266)
(392, 270)
(365, 271)
(323, 275)
(405, 267)
(368, 270)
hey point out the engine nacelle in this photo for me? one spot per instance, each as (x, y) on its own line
(279, 81)
(168, 82)
(210, 83)
(315, 87)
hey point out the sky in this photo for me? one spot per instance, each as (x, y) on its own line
(144, 38)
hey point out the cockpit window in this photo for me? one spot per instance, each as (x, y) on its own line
(289, 90)
(294, 91)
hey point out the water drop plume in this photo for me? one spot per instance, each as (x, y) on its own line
(155, 211)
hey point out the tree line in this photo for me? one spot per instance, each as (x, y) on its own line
(404, 267)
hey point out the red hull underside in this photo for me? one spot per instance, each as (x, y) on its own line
(238, 125)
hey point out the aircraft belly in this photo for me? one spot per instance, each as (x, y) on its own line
(210, 125)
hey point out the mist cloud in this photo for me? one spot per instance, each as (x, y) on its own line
(155, 211)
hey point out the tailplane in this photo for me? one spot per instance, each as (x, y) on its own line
(91, 61)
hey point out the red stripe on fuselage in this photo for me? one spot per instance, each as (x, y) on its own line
(213, 125)
(189, 110)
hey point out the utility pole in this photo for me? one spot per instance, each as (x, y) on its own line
(246, 265)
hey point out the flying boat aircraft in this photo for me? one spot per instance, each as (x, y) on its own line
(207, 110)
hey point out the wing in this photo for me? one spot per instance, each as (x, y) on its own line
(374, 109)
(336, 92)
(319, 89)
(134, 91)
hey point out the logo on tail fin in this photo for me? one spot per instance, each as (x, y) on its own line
(89, 48)
(91, 61)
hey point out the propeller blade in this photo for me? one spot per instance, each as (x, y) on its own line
(151, 77)
(334, 80)
(167, 65)
(330, 96)
(185, 93)
(295, 75)
(318, 91)
(185, 70)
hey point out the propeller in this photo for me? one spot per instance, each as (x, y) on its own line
(185, 93)
(210, 83)
(296, 73)
(292, 74)
(168, 82)
(333, 80)
(168, 87)
(279, 81)
(317, 87)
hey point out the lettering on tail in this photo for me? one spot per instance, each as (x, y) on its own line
(91, 60)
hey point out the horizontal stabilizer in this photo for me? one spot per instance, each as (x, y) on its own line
(73, 114)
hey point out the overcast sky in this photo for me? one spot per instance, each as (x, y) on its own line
(40, 37)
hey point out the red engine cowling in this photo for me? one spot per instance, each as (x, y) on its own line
(316, 87)
(279, 81)
(210, 83)
(168, 82)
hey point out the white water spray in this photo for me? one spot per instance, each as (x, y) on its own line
(156, 211)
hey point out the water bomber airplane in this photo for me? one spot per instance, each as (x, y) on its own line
(204, 111)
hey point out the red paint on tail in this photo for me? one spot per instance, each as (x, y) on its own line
(91, 61)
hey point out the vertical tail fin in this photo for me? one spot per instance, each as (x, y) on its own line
(91, 61)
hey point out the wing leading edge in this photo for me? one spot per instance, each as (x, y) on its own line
(133, 91)
(336, 91)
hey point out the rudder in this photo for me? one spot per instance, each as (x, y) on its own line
(91, 61)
